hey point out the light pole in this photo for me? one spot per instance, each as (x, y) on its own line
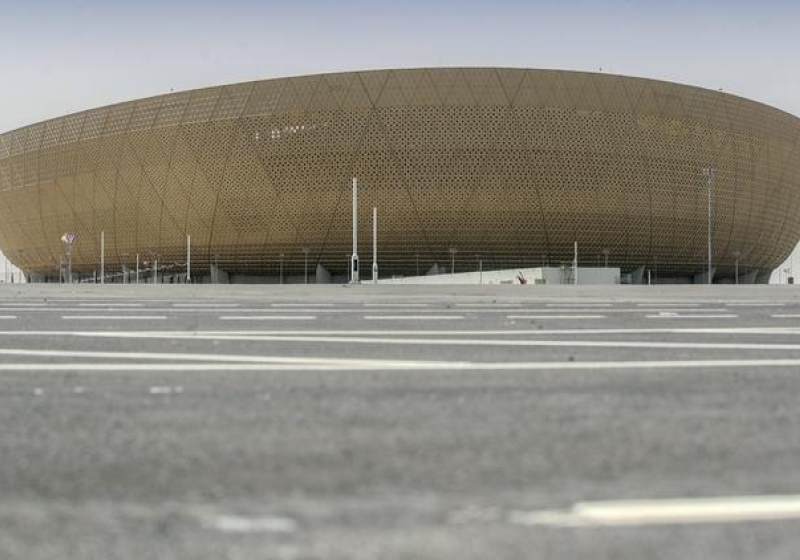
(305, 255)
(354, 259)
(102, 257)
(453, 252)
(480, 269)
(737, 254)
(154, 256)
(708, 173)
(374, 245)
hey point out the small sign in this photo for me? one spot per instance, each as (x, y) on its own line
(68, 238)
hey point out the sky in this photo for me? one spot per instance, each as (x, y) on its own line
(63, 56)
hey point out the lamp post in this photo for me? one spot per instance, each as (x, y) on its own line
(354, 258)
(453, 252)
(374, 245)
(709, 173)
(305, 255)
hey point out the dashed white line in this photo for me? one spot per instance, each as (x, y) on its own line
(376, 365)
(489, 305)
(672, 315)
(555, 316)
(631, 513)
(114, 317)
(755, 304)
(584, 305)
(267, 317)
(393, 305)
(110, 304)
(413, 317)
(205, 305)
(786, 316)
(301, 305)
(671, 304)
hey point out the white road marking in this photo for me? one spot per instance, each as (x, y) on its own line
(200, 309)
(585, 305)
(632, 513)
(267, 317)
(242, 524)
(114, 317)
(110, 304)
(555, 316)
(755, 304)
(243, 336)
(392, 305)
(413, 317)
(488, 305)
(204, 305)
(672, 315)
(765, 331)
(8, 316)
(786, 316)
(671, 304)
(380, 365)
(301, 304)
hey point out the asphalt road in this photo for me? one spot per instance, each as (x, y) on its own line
(399, 422)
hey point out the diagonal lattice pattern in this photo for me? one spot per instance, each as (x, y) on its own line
(507, 165)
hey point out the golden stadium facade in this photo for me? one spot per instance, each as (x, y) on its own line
(509, 166)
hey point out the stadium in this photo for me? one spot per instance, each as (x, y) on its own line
(509, 167)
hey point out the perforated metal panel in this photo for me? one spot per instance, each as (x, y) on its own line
(509, 166)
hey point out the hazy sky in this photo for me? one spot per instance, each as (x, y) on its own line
(62, 56)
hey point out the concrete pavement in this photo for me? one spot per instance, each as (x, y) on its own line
(398, 422)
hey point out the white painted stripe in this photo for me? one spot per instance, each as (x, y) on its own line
(301, 304)
(16, 304)
(786, 316)
(379, 365)
(326, 310)
(755, 304)
(671, 304)
(267, 317)
(555, 316)
(669, 315)
(765, 331)
(692, 511)
(304, 337)
(114, 317)
(8, 316)
(459, 341)
(393, 305)
(111, 304)
(260, 524)
(204, 305)
(488, 305)
(585, 305)
(413, 317)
